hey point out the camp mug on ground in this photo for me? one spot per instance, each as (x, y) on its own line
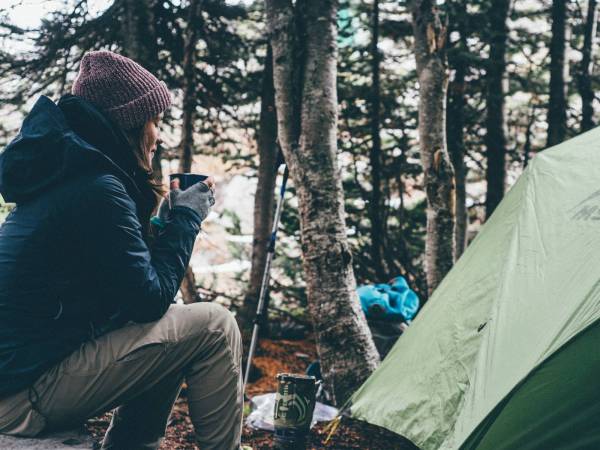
(187, 179)
(294, 406)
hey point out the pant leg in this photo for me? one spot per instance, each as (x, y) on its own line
(127, 367)
(141, 422)
(215, 394)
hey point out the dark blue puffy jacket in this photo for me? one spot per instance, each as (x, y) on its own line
(74, 257)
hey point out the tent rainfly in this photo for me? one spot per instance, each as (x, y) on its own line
(506, 353)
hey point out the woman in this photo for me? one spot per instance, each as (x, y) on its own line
(87, 322)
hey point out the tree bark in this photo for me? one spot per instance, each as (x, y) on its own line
(430, 55)
(455, 130)
(186, 146)
(140, 43)
(585, 75)
(189, 293)
(375, 204)
(528, 133)
(303, 37)
(139, 34)
(495, 138)
(264, 199)
(156, 165)
(557, 108)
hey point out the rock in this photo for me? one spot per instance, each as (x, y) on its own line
(64, 440)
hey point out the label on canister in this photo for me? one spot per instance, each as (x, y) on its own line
(294, 402)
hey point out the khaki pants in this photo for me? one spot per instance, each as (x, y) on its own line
(139, 369)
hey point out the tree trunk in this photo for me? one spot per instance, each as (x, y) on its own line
(139, 34)
(495, 138)
(430, 54)
(557, 108)
(527, 146)
(455, 130)
(585, 75)
(375, 204)
(264, 198)
(303, 37)
(140, 43)
(188, 289)
(156, 166)
(186, 146)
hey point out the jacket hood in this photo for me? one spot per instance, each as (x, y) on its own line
(57, 142)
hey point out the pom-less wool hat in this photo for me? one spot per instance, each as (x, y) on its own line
(120, 87)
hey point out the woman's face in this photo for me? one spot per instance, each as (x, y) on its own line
(152, 137)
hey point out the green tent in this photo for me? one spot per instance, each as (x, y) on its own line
(506, 353)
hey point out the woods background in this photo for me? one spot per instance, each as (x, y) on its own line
(418, 180)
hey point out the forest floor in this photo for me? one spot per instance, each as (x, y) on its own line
(274, 357)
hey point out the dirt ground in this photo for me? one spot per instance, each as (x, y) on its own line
(274, 357)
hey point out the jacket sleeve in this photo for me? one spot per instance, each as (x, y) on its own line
(142, 283)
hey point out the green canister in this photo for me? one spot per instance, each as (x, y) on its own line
(294, 406)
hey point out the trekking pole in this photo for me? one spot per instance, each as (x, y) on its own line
(264, 287)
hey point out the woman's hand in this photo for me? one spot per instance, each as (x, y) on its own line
(199, 197)
(196, 198)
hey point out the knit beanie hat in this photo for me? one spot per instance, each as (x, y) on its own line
(121, 88)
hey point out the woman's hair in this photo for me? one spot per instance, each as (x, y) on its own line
(139, 146)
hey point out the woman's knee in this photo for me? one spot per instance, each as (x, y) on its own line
(189, 319)
(230, 328)
(222, 318)
(214, 326)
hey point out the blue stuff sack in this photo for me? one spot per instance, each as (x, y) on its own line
(390, 301)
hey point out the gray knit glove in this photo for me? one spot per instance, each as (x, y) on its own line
(197, 197)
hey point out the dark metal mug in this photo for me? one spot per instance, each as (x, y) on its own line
(187, 179)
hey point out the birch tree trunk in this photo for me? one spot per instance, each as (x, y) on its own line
(186, 146)
(585, 75)
(495, 138)
(430, 54)
(264, 200)
(303, 37)
(455, 129)
(557, 107)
